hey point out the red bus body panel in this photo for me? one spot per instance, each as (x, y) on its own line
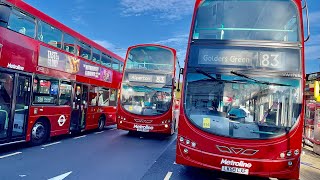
(264, 155)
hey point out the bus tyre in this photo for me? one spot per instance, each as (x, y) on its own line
(39, 132)
(101, 124)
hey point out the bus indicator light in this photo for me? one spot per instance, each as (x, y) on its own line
(193, 144)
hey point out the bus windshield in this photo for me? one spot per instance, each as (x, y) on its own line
(150, 58)
(146, 100)
(242, 106)
(147, 83)
(270, 20)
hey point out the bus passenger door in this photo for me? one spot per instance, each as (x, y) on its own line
(14, 106)
(79, 108)
(21, 108)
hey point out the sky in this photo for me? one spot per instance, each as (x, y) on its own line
(118, 24)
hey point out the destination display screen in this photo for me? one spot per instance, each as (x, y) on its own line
(256, 58)
(148, 78)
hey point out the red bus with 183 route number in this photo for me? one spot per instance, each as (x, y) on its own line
(242, 98)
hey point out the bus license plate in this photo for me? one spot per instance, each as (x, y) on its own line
(235, 170)
(143, 130)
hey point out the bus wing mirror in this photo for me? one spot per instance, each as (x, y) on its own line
(316, 91)
(180, 73)
(307, 19)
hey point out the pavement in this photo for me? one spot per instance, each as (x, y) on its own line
(114, 154)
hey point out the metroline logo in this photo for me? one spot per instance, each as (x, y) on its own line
(14, 66)
(146, 127)
(235, 163)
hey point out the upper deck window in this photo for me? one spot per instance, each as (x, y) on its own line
(85, 50)
(116, 64)
(22, 23)
(49, 34)
(69, 43)
(96, 55)
(106, 60)
(150, 58)
(270, 20)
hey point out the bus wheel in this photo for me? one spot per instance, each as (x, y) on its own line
(39, 132)
(101, 124)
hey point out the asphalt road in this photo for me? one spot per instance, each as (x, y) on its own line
(111, 154)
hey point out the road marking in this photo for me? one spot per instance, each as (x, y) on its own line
(50, 144)
(174, 163)
(168, 176)
(113, 129)
(99, 132)
(80, 137)
(61, 177)
(22, 175)
(8, 155)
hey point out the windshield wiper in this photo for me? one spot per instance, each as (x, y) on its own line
(213, 78)
(206, 74)
(149, 88)
(262, 132)
(257, 81)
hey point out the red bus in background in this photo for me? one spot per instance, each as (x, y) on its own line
(53, 80)
(311, 135)
(147, 97)
(242, 98)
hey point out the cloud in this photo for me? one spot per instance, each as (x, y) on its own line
(160, 9)
(178, 42)
(112, 47)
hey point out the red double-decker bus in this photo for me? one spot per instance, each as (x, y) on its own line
(311, 134)
(53, 80)
(242, 96)
(147, 92)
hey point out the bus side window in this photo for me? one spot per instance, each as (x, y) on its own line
(104, 97)
(49, 34)
(113, 97)
(46, 91)
(115, 64)
(65, 93)
(85, 50)
(22, 23)
(69, 43)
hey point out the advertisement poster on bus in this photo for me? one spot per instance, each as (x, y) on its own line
(52, 59)
(89, 70)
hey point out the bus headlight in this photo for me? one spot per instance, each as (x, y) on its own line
(296, 152)
(290, 163)
(193, 144)
(181, 139)
(120, 122)
(166, 126)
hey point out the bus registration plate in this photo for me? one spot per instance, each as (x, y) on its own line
(141, 129)
(235, 170)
